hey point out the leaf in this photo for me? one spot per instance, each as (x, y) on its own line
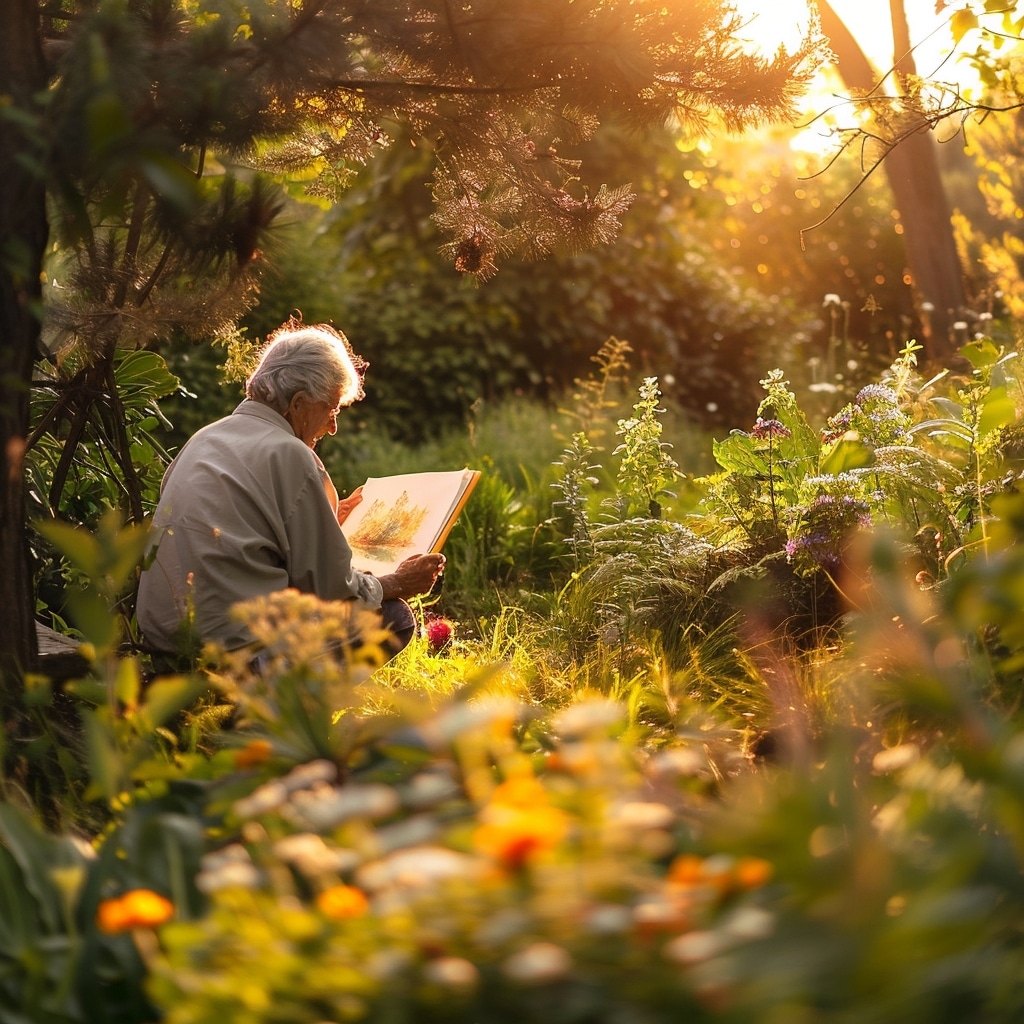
(737, 454)
(91, 615)
(166, 697)
(78, 545)
(847, 454)
(128, 682)
(952, 409)
(980, 352)
(961, 23)
(142, 376)
(104, 761)
(997, 410)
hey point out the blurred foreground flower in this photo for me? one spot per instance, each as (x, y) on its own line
(342, 901)
(253, 754)
(720, 872)
(519, 823)
(139, 908)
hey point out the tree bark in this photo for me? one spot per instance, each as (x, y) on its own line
(912, 169)
(23, 235)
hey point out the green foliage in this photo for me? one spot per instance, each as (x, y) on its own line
(640, 798)
(646, 470)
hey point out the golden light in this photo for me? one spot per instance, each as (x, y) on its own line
(769, 24)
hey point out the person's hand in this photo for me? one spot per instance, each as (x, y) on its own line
(345, 505)
(416, 575)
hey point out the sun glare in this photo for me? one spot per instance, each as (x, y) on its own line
(770, 24)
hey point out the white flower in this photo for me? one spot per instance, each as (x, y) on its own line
(417, 867)
(588, 716)
(695, 947)
(538, 964)
(324, 808)
(268, 797)
(452, 972)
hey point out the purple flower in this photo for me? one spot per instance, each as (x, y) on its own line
(770, 428)
(877, 393)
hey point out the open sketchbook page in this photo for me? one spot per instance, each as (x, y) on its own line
(405, 515)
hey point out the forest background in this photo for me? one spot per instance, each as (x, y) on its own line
(718, 709)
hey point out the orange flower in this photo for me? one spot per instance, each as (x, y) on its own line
(686, 869)
(139, 908)
(253, 754)
(719, 872)
(514, 835)
(342, 901)
(753, 872)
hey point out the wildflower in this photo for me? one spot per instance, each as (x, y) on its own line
(342, 901)
(695, 947)
(452, 972)
(416, 867)
(876, 393)
(652, 916)
(519, 824)
(326, 807)
(537, 964)
(139, 908)
(686, 869)
(770, 428)
(253, 754)
(752, 872)
(439, 632)
(720, 872)
(515, 835)
(588, 716)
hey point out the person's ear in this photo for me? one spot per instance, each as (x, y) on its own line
(295, 402)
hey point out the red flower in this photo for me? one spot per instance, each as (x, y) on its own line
(439, 632)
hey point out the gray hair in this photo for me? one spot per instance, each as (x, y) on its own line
(317, 359)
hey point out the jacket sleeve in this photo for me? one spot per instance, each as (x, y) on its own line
(318, 558)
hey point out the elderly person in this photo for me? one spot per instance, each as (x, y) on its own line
(247, 508)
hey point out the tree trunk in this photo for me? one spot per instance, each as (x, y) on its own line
(912, 169)
(23, 234)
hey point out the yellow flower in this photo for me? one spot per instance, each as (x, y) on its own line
(342, 901)
(139, 908)
(520, 791)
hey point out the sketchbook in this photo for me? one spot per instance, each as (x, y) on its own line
(405, 515)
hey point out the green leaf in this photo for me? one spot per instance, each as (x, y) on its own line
(847, 454)
(78, 545)
(980, 352)
(91, 614)
(738, 454)
(997, 410)
(166, 697)
(104, 762)
(128, 682)
(143, 376)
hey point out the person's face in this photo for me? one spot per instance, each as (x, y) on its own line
(311, 417)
